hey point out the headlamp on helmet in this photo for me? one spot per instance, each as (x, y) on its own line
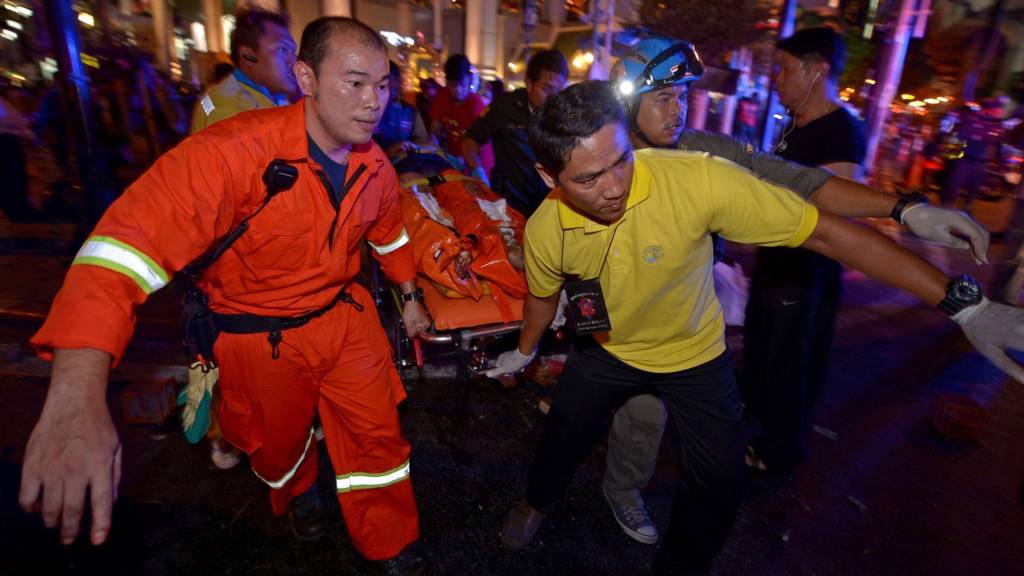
(655, 63)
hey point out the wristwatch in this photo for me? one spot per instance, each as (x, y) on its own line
(414, 296)
(960, 293)
(905, 201)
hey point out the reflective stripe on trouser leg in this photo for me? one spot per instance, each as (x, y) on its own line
(358, 409)
(288, 475)
(267, 408)
(367, 481)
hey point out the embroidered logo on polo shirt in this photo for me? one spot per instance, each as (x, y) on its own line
(652, 254)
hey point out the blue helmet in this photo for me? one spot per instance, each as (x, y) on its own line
(655, 63)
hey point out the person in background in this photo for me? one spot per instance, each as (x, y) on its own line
(981, 133)
(491, 90)
(746, 121)
(263, 53)
(505, 125)
(794, 292)
(455, 108)
(400, 129)
(425, 98)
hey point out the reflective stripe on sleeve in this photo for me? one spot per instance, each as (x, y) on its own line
(403, 239)
(115, 255)
(366, 481)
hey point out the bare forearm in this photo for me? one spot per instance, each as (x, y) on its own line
(844, 197)
(79, 375)
(537, 316)
(868, 251)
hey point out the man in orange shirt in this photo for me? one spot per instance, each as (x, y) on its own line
(297, 336)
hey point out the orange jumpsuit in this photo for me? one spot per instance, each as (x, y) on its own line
(298, 253)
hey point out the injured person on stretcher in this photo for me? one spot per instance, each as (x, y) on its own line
(467, 243)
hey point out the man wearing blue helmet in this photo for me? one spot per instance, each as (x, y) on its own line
(652, 84)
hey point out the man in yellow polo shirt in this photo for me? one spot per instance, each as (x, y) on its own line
(263, 52)
(632, 234)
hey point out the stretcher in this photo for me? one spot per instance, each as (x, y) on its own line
(467, 244)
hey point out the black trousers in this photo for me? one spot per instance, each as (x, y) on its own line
(787, 337)
(705, 404)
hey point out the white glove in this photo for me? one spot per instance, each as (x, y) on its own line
(992, 328)
(510, 362)
(937, 225)
(560, 317)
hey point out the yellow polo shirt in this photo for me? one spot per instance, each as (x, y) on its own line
(657, 279)
(225, 99)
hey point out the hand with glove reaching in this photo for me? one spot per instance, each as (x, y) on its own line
(947, 227)
(510, 362)
(993, 328)
(560, 314)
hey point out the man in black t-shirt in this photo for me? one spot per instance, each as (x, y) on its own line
(505, 124)
(794, 296)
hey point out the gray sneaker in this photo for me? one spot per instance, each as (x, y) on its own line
(634, 519)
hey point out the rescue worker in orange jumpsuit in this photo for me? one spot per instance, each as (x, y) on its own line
(298, 256)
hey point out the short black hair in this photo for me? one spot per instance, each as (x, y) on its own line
(316, 38)
(250, 24)
(570, 116)
(393, 69)
(457, 67)
(822, 44)
(550, 60)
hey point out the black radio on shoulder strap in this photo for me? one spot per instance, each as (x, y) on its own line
(201, 326)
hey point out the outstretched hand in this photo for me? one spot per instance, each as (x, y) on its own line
(947, 227)
(993, 328)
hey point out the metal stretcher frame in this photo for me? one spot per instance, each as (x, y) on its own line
(469, 343)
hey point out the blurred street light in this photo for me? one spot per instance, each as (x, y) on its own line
(86, 19)
(19, 10)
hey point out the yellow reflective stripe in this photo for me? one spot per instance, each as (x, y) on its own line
(365, 480)
(291, 472)
(115, 255)
(403, 239)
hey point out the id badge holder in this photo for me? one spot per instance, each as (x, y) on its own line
(587, 308)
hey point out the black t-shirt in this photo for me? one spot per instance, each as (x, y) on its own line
(506, 123)
(335, 172)
(838, 136)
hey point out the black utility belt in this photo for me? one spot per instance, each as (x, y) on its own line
(273, 326)
(253, 324)
(201, 326)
